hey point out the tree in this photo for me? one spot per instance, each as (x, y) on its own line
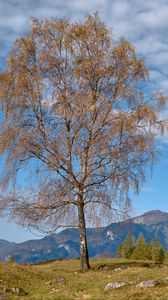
(11, 259)
(125, 249)
(157, 251)
(141, 250)
(75, 113)
(120, 251)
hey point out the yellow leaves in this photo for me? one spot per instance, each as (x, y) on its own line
(141, 143)
(161, 99)
(79, 60)
(78, 30)
(140, 69)
(83, 66)
(11, 61)
(92, 83)
(119, 51)
(146, 113)
(124, 50)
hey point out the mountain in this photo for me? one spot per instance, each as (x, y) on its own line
(5, 244)
(104, 241)
(151, 217)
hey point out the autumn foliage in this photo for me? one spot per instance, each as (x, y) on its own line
(76, 114)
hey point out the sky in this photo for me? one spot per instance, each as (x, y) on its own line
(145, 24)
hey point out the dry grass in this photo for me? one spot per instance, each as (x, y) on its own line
(69, 283)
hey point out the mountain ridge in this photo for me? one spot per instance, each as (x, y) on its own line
(151, 217)
(105, 241)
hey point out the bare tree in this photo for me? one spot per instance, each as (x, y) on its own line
(75, 113)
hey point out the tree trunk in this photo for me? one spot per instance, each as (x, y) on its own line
(84, 258)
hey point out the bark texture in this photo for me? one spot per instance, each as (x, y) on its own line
(84, 258)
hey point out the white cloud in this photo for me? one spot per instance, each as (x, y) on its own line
(154, 17)
(143, 22)
(14, 23)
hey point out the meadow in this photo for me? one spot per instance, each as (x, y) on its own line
(62, 280)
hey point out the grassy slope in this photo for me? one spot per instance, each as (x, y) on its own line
(33, 279)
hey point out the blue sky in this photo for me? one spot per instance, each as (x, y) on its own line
(145, 24)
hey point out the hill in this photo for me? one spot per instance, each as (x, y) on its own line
(104, 241)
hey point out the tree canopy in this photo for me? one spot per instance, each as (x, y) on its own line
(126, 248)
(76, 114)
(141, 250)
(157, 251)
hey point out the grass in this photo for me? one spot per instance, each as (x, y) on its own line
(63, 280)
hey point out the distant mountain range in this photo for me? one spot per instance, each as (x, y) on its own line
(102, 242)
